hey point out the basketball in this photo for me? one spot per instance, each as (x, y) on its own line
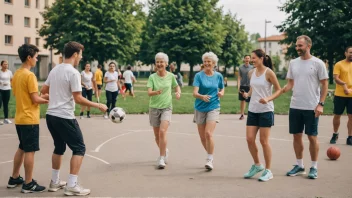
(333, 153)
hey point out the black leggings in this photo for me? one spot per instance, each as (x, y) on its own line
(4, 100)
(111, 99)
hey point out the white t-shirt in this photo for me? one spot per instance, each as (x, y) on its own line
(5, 79)
(306, 75)
(87, 79)
(128, 75)
(62, 81)
(112, 86)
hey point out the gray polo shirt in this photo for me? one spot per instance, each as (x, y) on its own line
(243, 72)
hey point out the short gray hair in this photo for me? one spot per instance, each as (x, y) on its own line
(162, 56)
(306, 38)
(212, 56)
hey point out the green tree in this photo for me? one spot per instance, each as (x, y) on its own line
(184, 30)
(236, 43)
(327, 22)
(254, 41)
(108, 29)
(276, 62)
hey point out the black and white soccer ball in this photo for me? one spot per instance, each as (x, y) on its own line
(117, 115)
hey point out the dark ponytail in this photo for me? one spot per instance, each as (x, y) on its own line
(266, 59)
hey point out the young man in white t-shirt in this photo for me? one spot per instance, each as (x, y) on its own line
(64, 88)
(129, 79)
(305, 75)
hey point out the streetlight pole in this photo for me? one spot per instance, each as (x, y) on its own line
(266, 22)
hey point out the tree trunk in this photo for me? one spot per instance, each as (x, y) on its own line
(190, 78)
(331, 62)
(225, 71)
(178, 63)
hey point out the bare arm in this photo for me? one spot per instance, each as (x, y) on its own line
(178, 92)
(288, 86)
(275, 82)
(44, 90)
(324, 89)
(153, 93)
(79, 99)
(36, 99)
(238, 81)
(205, 98)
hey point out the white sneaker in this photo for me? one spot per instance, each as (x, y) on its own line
(209, 164)
(7, 121)
(55, 187)
(106, 116)
(1, 123)
(81, 117)
(166, 156)
(76, 191)
(161, 162)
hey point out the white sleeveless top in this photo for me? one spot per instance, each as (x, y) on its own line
(261, 88)
(87, 79)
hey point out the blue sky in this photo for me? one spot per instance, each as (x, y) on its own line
(254, 12)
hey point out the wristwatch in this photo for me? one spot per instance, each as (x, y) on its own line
(321, 104)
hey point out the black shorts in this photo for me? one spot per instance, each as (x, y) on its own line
(128, 87)
(265, 119)
(87, 93)
(66, 131)
(28, 135)
(246, 89)
(300, 120)
(99, 87)
(342, 103)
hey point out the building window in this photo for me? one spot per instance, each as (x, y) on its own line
(8, 19)
(27, 22)
(37, 5)
(27, 40)
(27, 3)
(8, 1)
(37, 42)
(8, 40)
(269, 44)
(46, 3)
(36, 23)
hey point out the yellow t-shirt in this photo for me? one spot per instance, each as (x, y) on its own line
(24, 83)
(344, 70)
(99, 77)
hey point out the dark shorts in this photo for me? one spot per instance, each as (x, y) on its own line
(342, 103)
(66, 131)
(99, 87)
(265, 119)
(28, 135)
(128, 87)
(300, 120)
(246, 89)
(87, 93)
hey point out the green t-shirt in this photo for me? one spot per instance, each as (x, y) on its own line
(166, 83)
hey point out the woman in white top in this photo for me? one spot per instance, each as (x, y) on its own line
(261, 111)
(5, 89)
(111, 78)
(88, 83)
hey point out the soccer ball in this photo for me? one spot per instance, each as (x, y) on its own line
(117, 115)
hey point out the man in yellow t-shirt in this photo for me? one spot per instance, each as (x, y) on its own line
(99, 81)
(25, 90)
(343, 95)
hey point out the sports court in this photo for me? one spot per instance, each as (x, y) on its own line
(120, 161)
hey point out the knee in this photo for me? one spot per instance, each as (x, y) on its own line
(250, 140)
(162, 133)
(208, 135)
(313, 139)
(337, 117)
(264, 141)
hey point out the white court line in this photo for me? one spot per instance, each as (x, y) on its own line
(105, 162)
(102, 144)
(6, 162)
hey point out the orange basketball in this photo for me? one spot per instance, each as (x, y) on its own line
(333, 153)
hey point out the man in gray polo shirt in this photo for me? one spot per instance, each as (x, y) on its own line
(305, 74)
(243, 83)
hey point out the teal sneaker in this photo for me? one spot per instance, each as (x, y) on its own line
(253, 171)
(334, 138)
(313, 173)
(266, 176)
(297, 170)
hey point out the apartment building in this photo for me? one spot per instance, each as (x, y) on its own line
(20, 21)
